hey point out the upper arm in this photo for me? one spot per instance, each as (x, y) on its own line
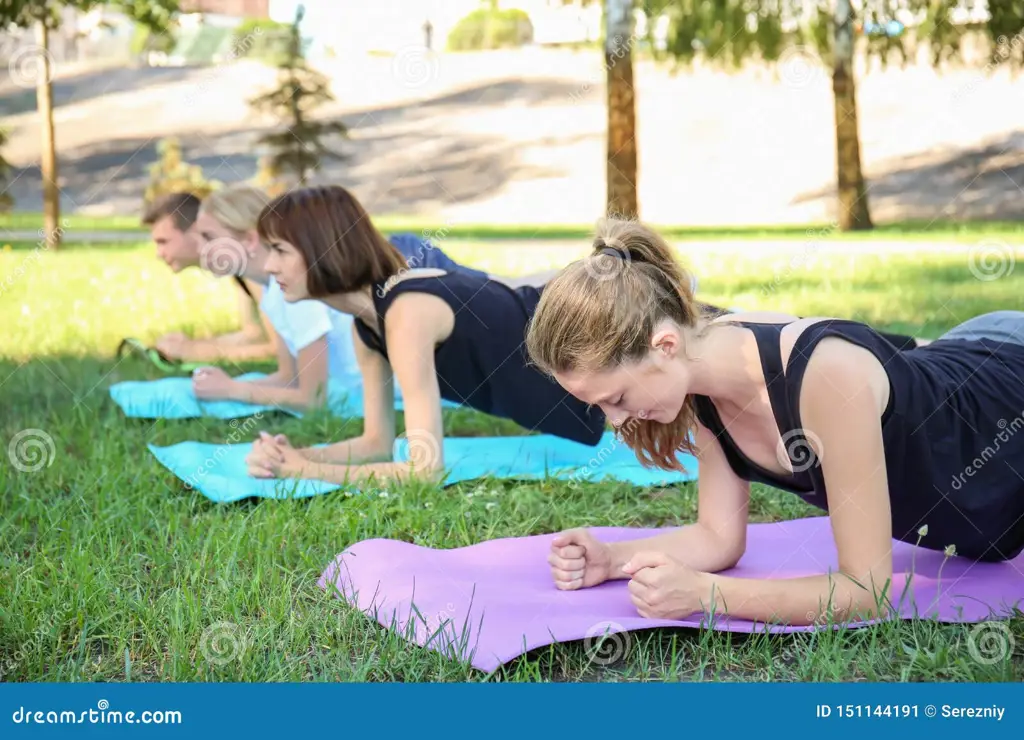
(723, 498)
(311, 367)
(378, 392)
(842, 396)
(416, 323)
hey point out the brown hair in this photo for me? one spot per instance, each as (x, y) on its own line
(183, 208)
(601, 311)
(343, 250)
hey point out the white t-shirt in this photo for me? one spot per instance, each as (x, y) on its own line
(303, 322)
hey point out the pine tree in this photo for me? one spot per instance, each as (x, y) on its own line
(299, 149)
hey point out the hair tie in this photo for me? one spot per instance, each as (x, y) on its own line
(603, 247)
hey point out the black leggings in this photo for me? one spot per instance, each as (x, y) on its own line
(902, 342)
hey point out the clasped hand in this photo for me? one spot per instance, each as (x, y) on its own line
(660, 587)
(211, 382)
(274, 457)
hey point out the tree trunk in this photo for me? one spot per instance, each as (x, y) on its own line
(853, 213)
(44, 94)
(621, 140)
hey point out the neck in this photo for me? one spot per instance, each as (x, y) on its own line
(358, 303)
(722, 366)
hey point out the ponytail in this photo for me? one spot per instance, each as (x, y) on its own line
(601, 312)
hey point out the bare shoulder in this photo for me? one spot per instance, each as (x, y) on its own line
(418, 318)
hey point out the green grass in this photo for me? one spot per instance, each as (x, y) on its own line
(904, 230)
(103, 554)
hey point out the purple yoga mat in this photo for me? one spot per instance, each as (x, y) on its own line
(491, 602)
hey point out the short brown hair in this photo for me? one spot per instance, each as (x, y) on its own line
(343, 250)
(183, 208)
(600, 312)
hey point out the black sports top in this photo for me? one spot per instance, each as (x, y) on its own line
(484, 364)
(953, 432)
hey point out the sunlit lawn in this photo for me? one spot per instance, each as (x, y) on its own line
(104, 555)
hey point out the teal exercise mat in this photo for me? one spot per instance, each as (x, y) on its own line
(172, 398)
(218, 471)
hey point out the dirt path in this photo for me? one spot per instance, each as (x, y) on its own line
(518, 137)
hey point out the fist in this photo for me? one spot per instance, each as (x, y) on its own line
(211, 382)
(579, 560)
(173, 345)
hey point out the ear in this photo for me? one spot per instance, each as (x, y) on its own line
(251, 242)
(666, 341)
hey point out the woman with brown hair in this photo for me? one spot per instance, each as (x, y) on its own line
(824, 408)
(441, 334)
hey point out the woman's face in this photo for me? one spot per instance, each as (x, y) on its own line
(288, 267)
(651, 389)
(221, 251)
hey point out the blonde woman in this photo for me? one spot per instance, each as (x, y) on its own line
(313, 342)
(892, 444)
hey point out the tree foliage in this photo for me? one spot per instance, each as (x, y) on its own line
(154, 14)
(298, 149)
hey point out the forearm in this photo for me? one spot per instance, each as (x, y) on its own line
(834, 598)
(212, 350)
(294, 398)
(381, 471)
(354, 451)
(693, 545)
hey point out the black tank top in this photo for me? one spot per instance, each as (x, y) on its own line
(953, 432)
(484, 364)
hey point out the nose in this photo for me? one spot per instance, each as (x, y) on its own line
(616, 417)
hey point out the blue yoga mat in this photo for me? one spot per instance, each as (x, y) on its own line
(219, 472)
(172, 398)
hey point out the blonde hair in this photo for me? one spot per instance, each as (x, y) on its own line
(601, 311)
(237, 207)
